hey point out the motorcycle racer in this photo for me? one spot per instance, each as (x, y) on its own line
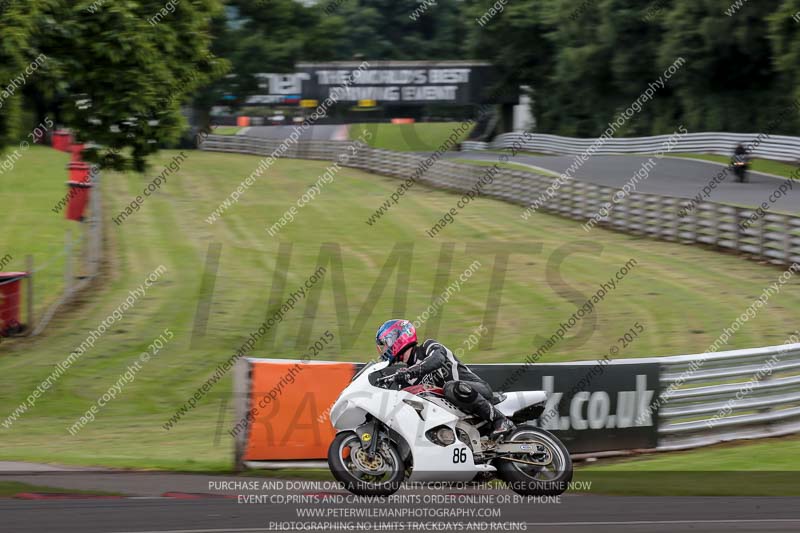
(434, 364)
(740, 162)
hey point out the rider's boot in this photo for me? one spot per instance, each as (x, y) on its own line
(501, 427)
(500, 424)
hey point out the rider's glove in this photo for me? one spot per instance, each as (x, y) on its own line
(401, 377)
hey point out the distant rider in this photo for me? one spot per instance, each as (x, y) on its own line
(740, 162)
(434, 364)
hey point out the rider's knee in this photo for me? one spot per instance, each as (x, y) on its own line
(463, 392)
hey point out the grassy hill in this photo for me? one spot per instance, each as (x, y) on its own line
(684, 296)
(29, 193)
(416, 137)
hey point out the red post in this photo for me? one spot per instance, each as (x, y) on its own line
(78, 198)
(79, 171)
(76, 150)
(61, 140)
(9, 303)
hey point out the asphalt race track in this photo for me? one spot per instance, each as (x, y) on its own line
(161, 502)
(682, 178)
(573, 514)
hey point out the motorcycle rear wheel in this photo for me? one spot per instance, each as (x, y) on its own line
(530, 480)
(344, 456)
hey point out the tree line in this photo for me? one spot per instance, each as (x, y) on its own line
(121, 80)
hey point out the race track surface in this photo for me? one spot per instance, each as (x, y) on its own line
(682, 178)
(198, 503)
(671, 176)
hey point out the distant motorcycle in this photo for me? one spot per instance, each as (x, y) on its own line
(387, 435)
(740, 166)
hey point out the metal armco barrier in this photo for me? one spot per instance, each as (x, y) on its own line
(659, 403)
(711, 398)
(775, 237)
(778, 147)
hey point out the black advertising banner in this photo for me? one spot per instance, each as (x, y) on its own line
(591, 407)
(387, 83)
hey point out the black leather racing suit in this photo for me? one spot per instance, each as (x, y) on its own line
(434, 364)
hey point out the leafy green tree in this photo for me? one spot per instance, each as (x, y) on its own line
(122, 69)
(268, 37)
(589, 60)
(517, 42)
(16, 24)
(402, 29)
(729, 82)
(785, 36)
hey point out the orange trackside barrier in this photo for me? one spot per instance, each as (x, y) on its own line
(289, 402)
(243, 122)
(402, 121)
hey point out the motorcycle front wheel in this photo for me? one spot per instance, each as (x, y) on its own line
(546, 471)
(351, 465)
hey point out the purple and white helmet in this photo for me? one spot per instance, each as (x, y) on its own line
(393, 337)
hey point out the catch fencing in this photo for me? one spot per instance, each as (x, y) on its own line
(59, 275)
(82, 256)
(777, 147)
(775, 237)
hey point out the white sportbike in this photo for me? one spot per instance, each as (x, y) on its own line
(386, 436)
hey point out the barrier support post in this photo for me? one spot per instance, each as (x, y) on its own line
(241, 395)
(29, 267)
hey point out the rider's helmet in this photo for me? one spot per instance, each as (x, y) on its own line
(393, 337)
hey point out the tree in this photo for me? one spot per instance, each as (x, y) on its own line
(403, 29)
(124, 69)
(589, 60)
(785, 37)
(728, 82)
(16, 24)
(516, 41)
